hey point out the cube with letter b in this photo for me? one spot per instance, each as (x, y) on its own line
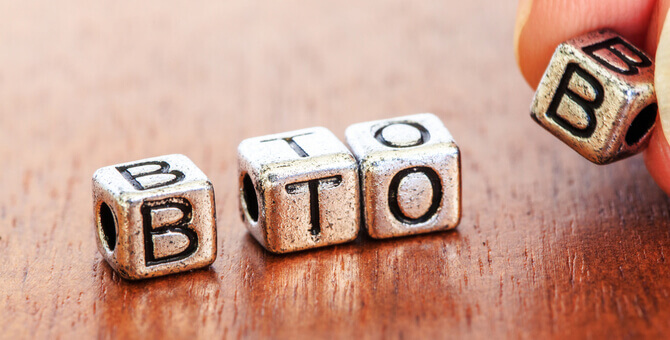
(298, 190)
(154, 216)
(410, 175)
(597, 96)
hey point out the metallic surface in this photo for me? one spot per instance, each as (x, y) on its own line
(401, 134)
(613, 81)
(303, 190)
(187, 207)
(405, 149)
(415, 195)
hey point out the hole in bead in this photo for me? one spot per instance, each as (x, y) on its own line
(108, 226)
(641, 124)
(249, 198)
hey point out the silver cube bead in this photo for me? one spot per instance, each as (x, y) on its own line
(597, 96)
(410, 175)
(298, 190)
(154, 216)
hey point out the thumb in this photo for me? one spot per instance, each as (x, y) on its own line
(657, 155)
(662, 78)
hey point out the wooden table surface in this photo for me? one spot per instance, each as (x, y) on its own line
(549, 244)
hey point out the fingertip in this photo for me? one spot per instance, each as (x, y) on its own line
(544, 24)
(662, 77)
(657, 159)
(522, 15)
(656, 24)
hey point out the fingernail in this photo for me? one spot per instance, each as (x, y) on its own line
(662, 78)
(522, 15)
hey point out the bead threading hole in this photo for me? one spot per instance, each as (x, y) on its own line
(108, 226)
(641, 124)
(249, 197)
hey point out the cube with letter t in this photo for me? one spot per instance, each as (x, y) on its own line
(298, 190)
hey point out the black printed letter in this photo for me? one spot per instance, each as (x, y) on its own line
(610, 45)
(292, 143)
(588, 106)
(313, 186)
(180, 226)
(164, 169)
(436, 184)
(425, 136)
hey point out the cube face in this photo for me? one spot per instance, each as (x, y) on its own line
(597, 96)
(298, 190)
(410, 174)
(154, 217)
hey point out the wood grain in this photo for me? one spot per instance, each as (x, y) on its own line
(550, 246)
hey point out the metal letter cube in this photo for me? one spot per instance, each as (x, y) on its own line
(298, 190)
(597, 96)
(410, 175)
(154, 217)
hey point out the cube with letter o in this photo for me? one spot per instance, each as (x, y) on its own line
(410, 175)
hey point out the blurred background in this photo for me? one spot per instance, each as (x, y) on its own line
(124, 81)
